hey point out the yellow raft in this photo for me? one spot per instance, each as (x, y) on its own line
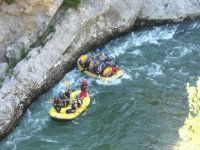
(68, 117)
(118, 74)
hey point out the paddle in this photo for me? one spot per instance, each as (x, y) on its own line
(50, 100)
(66, 83)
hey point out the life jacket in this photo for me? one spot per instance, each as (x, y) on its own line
(107, 71)
(91, 64)
(83, 87)
(114, 69)
(83, 58)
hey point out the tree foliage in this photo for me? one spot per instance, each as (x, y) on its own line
(190, 132)
(8, 1)
(71, 3)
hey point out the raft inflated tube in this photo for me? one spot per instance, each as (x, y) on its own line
(118, 73)
(62, 115)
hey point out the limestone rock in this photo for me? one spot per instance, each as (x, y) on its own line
(169, 9)
(21, 21)
(3, 69)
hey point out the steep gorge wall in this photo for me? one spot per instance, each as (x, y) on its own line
(21, 23)
(95, 22)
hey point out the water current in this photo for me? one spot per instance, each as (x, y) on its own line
(143, 110)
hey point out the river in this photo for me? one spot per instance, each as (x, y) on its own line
(143, 110)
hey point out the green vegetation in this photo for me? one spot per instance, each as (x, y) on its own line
(66, 50)
(190, 132)
(12, 61)
(9, 1)
(23, 51)
(13, 31)
(1, 81)
(47, 29)
(72, 3)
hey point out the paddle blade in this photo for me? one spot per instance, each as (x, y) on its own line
(66, 83)
(50, 99)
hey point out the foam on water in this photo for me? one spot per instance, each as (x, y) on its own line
(44, 139)
(106, 83)
(153, 36)
(126, 76)
(74, 79)
(177, 53)
(75, 122)
(115, 50)
(195, 25)
(13, 143)
(135, 39)
(155, 70)
(136, 52)
(184, 51)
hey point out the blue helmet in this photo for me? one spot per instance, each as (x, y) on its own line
(89, 55)
(106, 53)
(97, 50)
(102, 64)
(110, 58)
(95, 61)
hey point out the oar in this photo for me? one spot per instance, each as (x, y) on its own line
(50, 100)
(66, 83)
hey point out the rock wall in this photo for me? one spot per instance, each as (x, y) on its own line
(20, 24)
(95, 22)
(169, 10)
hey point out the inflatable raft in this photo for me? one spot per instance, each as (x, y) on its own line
(118, 74)
(62, 115)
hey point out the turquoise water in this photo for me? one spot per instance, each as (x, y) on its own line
(141, 111)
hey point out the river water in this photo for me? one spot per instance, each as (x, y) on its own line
(143, 110)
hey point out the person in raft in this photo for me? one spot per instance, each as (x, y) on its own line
(73, 108)
(57, 103)
(84, 89)
(97, 54)
(67, 94)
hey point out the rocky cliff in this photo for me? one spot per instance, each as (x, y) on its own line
(93, 23)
